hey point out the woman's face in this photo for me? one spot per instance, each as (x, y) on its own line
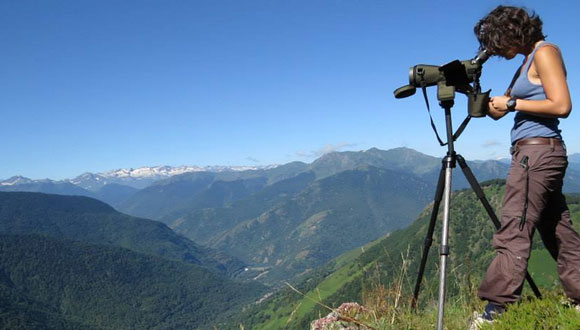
(509, 53)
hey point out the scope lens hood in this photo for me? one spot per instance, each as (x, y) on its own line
(404, 91)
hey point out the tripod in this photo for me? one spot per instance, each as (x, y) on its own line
(444, 192)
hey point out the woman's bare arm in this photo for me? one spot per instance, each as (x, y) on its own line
(550, 72)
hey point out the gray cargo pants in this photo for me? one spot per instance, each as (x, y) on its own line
(543, 208)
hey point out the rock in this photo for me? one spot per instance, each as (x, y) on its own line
(341, 318)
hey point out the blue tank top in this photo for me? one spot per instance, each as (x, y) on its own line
(526, 125)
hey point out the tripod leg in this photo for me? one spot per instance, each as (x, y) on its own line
(478, 191)
(444, 251)
(481, 195)
(429, 238)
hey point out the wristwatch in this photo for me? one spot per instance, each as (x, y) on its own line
(511, 104)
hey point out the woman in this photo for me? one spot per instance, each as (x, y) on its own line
(539, 95)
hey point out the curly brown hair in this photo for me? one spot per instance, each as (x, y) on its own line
(507, 27)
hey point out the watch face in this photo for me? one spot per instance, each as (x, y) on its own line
(511, 104)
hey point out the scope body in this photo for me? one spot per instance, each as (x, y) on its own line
(451, 77)
(464, 72)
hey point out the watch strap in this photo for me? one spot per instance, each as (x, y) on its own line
(511, 104)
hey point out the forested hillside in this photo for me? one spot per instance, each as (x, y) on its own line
(313, 222)
(71, 262)
(92, 221)
(48, 283)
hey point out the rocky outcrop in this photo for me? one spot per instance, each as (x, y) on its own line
(345, 317)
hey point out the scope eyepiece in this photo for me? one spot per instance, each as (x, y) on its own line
(481, 57)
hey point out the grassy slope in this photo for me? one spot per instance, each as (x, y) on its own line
(346, 271)
(541, 266)
(278, 314)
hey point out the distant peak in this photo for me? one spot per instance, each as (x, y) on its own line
(15, 180)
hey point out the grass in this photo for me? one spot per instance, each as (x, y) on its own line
(530, 313)
(389, 308)
(548, 313)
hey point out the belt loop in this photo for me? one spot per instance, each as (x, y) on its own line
(552, 144)
(514, 148)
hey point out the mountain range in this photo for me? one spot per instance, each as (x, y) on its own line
(285, 220)
(185, 192)
(115, 186)
(289, 219)
(134, 177)
(191, 249)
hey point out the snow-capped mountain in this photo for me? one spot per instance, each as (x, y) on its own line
(15, 180)
(148, 172)
(89, 181)
(133, 177)
(167, 171)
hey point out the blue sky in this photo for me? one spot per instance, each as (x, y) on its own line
(90, 86)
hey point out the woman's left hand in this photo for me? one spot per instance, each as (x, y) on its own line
(499, 103)
(493, 111)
